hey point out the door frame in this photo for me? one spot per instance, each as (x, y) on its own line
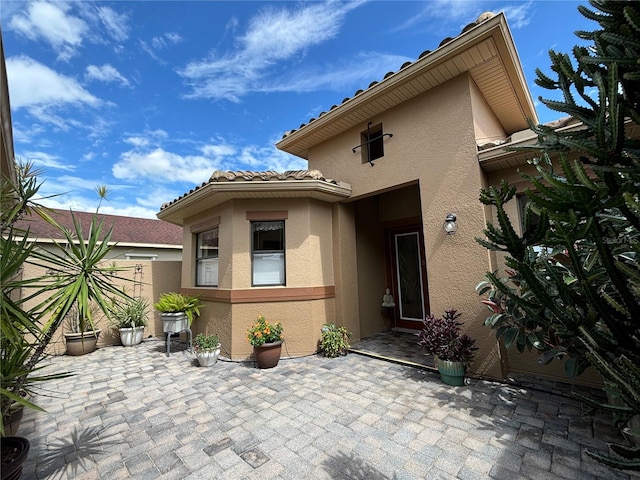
(392, 266)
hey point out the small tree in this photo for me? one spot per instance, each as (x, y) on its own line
(573, 288)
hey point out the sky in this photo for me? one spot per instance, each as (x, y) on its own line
(151, 97)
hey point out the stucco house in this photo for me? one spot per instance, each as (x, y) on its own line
(390, 200)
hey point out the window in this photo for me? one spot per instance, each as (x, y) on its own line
(207, 258)
(372, 144)
(267, 250)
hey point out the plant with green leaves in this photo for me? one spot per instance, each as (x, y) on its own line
(206, 341)
(129, 313)
(79, 281)
(334, 340)
(572, 289)
(174, 302)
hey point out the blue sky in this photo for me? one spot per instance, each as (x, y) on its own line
(150, 97)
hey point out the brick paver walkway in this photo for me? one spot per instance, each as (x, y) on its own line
(134, 413)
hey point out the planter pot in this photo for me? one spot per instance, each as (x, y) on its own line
(131, 336)
(174, 322)
(11, 421)
(451, 373)
(14, 452)
(81, 343)
(268, 354)
(207, 358)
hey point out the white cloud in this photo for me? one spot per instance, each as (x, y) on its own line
(33, 84)
(369, 68)
(115, 23)
(519, 16)
(147, 139)
(159, 165)
(273, 36)
(54, 24)
(46, 160)
(106, 73)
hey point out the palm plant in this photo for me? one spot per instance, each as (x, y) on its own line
(80, 280)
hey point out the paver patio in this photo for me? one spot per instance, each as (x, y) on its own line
(134, 413)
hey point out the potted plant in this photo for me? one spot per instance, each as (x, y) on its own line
(454, 352)
(177, 311)
(32, 309)
(82, 336)
(206, 346)
(130, 317)
(266, 339)
(334, 340)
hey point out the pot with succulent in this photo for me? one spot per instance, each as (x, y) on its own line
(454, 352)
(206, 346)
(130, 317)
(266, 339)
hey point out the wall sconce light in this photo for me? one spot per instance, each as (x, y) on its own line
(450, 225)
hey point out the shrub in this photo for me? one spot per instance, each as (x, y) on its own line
(334, 340)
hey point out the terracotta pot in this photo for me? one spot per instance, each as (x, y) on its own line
(14, 451)
(81, 343)
(451, 373)
(268, 354)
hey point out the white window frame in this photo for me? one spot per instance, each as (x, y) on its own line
(262, 272)
(210, 262)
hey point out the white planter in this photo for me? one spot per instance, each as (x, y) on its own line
(207, 358)
(131, 336)
(174, 322)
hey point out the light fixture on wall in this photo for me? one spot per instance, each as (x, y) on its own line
(450, 226)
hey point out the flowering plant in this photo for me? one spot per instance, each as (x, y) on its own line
(442, 337)
(209, 341)
(262, 332)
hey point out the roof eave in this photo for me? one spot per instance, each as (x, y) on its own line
(495, 28)
(216, 193)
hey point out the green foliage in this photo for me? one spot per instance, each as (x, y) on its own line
(129, 313)
(79, 282)
(262, 332)
(334, 340)
(173, 302)
(443, 338)
(572, 288)
(208, 341)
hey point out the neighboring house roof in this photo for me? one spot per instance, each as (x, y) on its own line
(484, 49)
(127, 231)
(223, 186)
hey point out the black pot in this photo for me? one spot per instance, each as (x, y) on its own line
(14, 451)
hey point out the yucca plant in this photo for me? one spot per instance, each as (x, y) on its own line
(80, 280)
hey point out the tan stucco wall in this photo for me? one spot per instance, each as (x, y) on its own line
(433, 144)
(309, 263)
(486, 126)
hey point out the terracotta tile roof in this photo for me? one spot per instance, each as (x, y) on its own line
(126, 230)
(220, 176)
(483, 17)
